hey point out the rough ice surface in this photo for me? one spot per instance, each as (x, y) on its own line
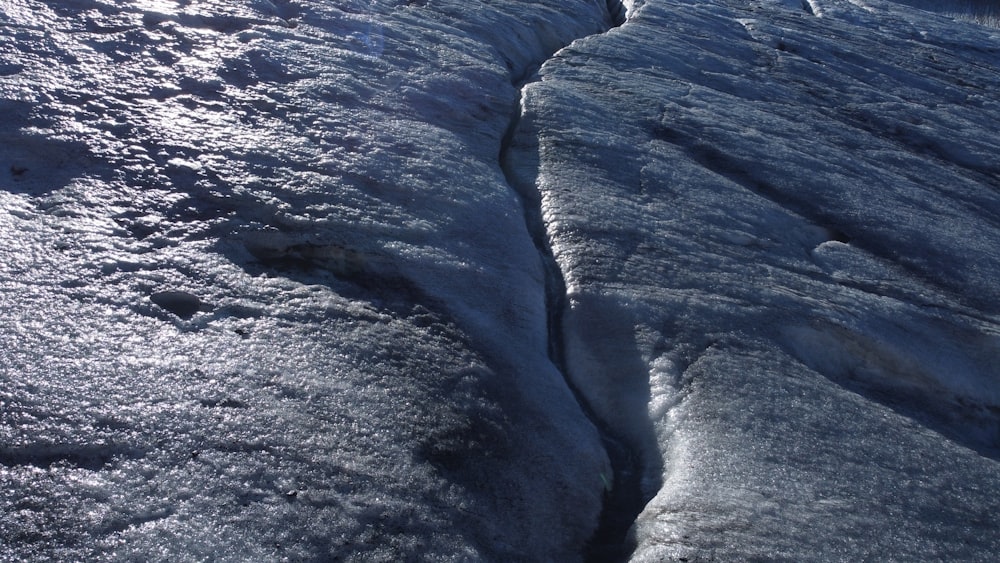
(778, 224)
(267, 293)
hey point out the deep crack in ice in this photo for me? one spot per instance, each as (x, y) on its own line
(624, 497)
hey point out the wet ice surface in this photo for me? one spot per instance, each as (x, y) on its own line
(266, 292)
(781, 255)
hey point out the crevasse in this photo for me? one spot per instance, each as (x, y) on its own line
(624, 497)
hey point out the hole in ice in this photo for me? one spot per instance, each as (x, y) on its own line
(837, 235)
(180, 303)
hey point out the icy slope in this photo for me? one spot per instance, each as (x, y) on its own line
(265, 292)
(781, 256)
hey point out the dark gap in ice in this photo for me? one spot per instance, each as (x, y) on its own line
(10, 69)
(624, 498)
(729, 167)
(306, 255)
(618, 12)
(837, 235)
(180, 303)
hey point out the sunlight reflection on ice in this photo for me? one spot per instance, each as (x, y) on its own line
(166, 6)
(373, 38)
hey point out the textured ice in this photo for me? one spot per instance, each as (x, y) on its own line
(781, 255)
(266, 292)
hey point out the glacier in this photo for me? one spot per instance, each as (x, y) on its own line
(546, 280)
(780, 256)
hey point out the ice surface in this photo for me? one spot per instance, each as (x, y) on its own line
(781, 255)
(266, 292)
